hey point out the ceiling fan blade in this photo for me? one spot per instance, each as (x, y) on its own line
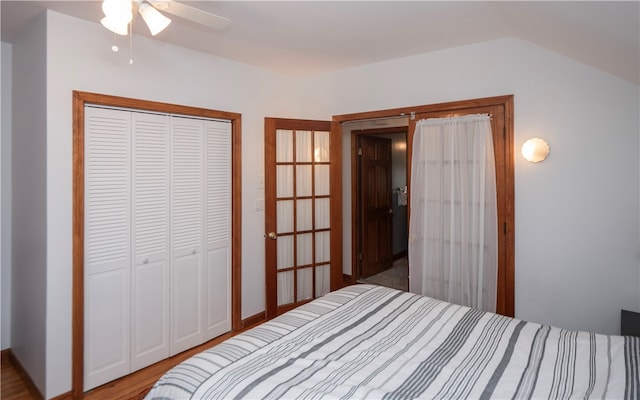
(191, 13)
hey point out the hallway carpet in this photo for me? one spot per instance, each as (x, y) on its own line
(396, 277)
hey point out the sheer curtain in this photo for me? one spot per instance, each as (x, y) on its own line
(453, 225)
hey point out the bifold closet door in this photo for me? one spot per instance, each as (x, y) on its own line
(187, 232)
(107, 245)
(217, 271)
(157, 253)
(201, 231)
(150, 228)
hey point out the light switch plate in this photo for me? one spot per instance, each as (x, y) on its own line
(259, 204)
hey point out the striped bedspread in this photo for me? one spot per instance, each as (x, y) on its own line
(371, 342)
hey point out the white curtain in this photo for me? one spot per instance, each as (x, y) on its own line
(453, 221)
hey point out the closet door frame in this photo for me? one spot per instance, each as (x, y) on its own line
(80, 99)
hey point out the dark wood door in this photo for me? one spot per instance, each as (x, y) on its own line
(374, 192)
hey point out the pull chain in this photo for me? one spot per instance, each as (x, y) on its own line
(115, 47)
(131, 42)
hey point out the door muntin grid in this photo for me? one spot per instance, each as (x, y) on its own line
(302, 215)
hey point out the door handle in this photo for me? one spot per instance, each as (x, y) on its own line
(272, 235)
(391, 211)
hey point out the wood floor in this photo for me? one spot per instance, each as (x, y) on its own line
(16, 384)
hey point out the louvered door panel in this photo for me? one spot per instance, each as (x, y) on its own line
(157, 238)
(107, 245)
(150, 271)
(186, 234)
(217, 271)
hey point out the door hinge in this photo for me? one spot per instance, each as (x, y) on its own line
(360, 151)
(360, 256)
(504, 228)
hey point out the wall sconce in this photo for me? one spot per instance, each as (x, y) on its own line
(535, 150)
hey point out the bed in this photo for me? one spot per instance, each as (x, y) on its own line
(372, 342)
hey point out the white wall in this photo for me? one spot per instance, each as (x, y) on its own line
(79, 58)
(5, 193)
(576, 225)
(577, 213)
(29, 241)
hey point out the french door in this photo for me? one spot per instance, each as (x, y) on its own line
(302, 229)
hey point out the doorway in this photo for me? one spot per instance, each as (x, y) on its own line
(379, 184)
(500, 108)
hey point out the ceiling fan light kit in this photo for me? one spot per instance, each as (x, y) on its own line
(118, 14)
(118, 17)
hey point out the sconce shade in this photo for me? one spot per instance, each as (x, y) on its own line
(535, 150)
(154, 20)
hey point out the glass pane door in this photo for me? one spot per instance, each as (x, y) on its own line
(298, 207)
(302, 207)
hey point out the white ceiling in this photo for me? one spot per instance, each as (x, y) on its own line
(306, 37)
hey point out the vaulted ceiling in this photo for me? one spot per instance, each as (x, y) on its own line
(306, 37)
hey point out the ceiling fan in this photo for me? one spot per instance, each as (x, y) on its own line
(119, 14)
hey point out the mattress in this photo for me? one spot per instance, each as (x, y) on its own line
(372, 342)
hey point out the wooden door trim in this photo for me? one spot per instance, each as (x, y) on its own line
(80, 99)
(271, 280)
(336, 206)
(456, 107)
